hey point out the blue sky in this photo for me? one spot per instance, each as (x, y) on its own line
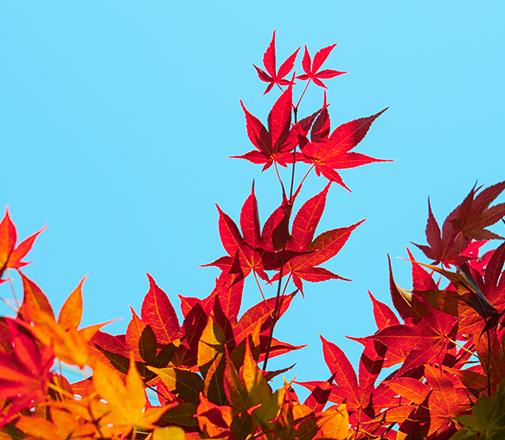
(117, 119)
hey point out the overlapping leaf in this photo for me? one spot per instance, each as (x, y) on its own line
(468, 221)
(274, 144)
(474, 214)
(24, 369)
(331, 153)
(315, 251)
(444, 247)
(127, 401)
(69, 344)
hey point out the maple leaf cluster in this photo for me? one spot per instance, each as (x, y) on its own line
(434, 370)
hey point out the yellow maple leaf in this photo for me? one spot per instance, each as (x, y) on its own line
(126, 401)
(63, 425)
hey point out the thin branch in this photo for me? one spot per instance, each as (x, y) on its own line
(304, 90)
(283, 255)
(12, 288)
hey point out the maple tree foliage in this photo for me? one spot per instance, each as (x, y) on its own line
(435, 369)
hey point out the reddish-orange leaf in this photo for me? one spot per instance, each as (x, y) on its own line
(410, 388)
(333, 423)
(259, 314)
(133, 334)
(8, 237)
(446, 401)
(243, 257)
(34, 300)
(158, 312)
(320, 394)
(250, 220)
(71, 311)
(421, 279)
(307, 219)
(401, 299)
(10, 256)
(371, 362)
(214, 420)
(111, 343)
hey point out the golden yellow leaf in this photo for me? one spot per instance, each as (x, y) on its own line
(334, 424)
(169, 433)
(127, 402)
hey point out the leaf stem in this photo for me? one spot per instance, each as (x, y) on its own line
(304, 177)
(279, 177)
(471, 353)
(286, 284)
(262, 294)
(8, 304)
(12, 288)
(303, 93)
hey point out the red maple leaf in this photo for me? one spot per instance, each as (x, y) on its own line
(241, 249)
(274, 77)
(10, 255)
(158, 312)
(424, 341)
(311, 68)
(330, 153)
(468, 221)
(313, 251)
(445, 401)
(24, 369)
(474, 215)
(341, 368)
(275, 143)
(251, 252)
(363, 401)
(445, 247)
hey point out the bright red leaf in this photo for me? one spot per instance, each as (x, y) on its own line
(311, 69)
(274, 144)
(275, 77)
(333, 153)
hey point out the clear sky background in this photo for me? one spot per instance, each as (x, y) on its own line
(117, 117)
